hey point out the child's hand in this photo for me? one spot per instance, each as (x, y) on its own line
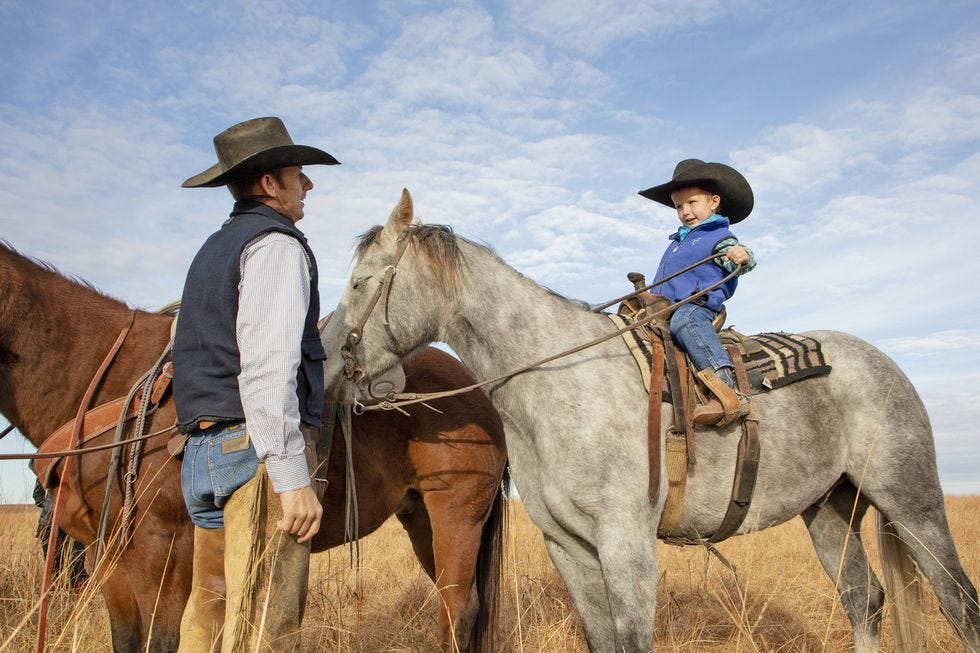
(737, 254)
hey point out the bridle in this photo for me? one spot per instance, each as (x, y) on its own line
(353, 367)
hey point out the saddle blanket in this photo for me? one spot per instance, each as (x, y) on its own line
(772, 360)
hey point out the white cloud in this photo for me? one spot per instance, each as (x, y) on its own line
(801, 157)
(933, 343)
(590, 26)
(937, 116)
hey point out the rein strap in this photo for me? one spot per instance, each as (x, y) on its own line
(414, 398)
(42, 619)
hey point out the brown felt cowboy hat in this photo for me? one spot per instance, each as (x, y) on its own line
(253, 147)
(724, 181)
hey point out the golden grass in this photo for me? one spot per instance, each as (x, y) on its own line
(779, 600)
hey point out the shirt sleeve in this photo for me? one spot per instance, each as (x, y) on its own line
(273, 299)
(723, 246)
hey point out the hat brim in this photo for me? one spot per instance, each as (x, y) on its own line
(736, 195)
(274, 158)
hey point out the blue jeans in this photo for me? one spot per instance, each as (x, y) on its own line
(691, 327)
(216, 463)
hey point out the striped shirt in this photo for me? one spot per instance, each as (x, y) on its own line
(273, 299)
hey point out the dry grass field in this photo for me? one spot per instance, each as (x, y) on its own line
(778, 600)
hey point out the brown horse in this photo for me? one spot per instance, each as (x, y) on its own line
(440, 473)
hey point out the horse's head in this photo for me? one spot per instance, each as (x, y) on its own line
(397, 298)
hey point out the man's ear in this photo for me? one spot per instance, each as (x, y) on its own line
(268, 184)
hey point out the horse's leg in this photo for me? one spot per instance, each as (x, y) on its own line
(628, 555)
(917, 513)
(445, 534)
(159, 570)
(143, 616)
(578, 565)
(836, 538)
(125, 625)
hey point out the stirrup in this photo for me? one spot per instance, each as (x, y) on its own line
(724, 407)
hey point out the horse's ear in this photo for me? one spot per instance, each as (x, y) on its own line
(402, 216)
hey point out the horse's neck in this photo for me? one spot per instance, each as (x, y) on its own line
(511, 321)
(55, 334)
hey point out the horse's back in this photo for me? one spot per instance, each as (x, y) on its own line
(864, 421)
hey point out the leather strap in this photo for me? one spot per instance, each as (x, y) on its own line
(747, 463)
(676, 466)
(654, 417)
(77, 429)
(681, 378)
(677, 442)
(324, 447)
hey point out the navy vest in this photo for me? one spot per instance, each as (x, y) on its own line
(205, 352)
(698, 244)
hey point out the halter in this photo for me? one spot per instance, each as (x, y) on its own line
(353, 368)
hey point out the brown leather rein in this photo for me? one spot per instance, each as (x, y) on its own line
(78, 452)
(355, 372)
(59, 498)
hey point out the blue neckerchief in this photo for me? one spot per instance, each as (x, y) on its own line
(684, 230)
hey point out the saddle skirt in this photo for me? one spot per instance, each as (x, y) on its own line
(772, 360)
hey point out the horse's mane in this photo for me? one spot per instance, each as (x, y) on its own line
(440, 244)
(23, 259)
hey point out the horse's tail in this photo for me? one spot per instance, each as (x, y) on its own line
(903, 589)
(489, 563)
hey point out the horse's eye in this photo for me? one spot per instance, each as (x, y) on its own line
(357, 283)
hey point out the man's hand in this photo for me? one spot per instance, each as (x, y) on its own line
(301, 513)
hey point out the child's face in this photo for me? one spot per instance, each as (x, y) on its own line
(694, 205)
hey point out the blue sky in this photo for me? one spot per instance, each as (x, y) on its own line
(530, 126)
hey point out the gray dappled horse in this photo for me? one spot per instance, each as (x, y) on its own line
(576, 435)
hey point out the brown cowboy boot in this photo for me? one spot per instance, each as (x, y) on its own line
(724, 406)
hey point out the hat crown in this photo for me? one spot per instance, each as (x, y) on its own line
(245, 139)
(685, 165)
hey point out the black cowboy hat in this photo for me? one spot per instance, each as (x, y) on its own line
(724, 181)
(253, 147)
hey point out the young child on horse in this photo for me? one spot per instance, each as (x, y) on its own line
(708, 198)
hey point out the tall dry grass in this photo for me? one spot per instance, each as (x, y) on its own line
(779, 599)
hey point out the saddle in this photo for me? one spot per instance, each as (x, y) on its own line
(96, 422)
(761, 363)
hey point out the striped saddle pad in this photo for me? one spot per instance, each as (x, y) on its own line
(772, 360)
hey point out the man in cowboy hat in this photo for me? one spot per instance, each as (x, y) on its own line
(708, 198)
(248, 386)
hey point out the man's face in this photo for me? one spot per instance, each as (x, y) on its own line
(290, 186)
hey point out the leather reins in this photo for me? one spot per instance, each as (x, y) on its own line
(355, 373)
(637, 291)
(78, 452)
(59, 497)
